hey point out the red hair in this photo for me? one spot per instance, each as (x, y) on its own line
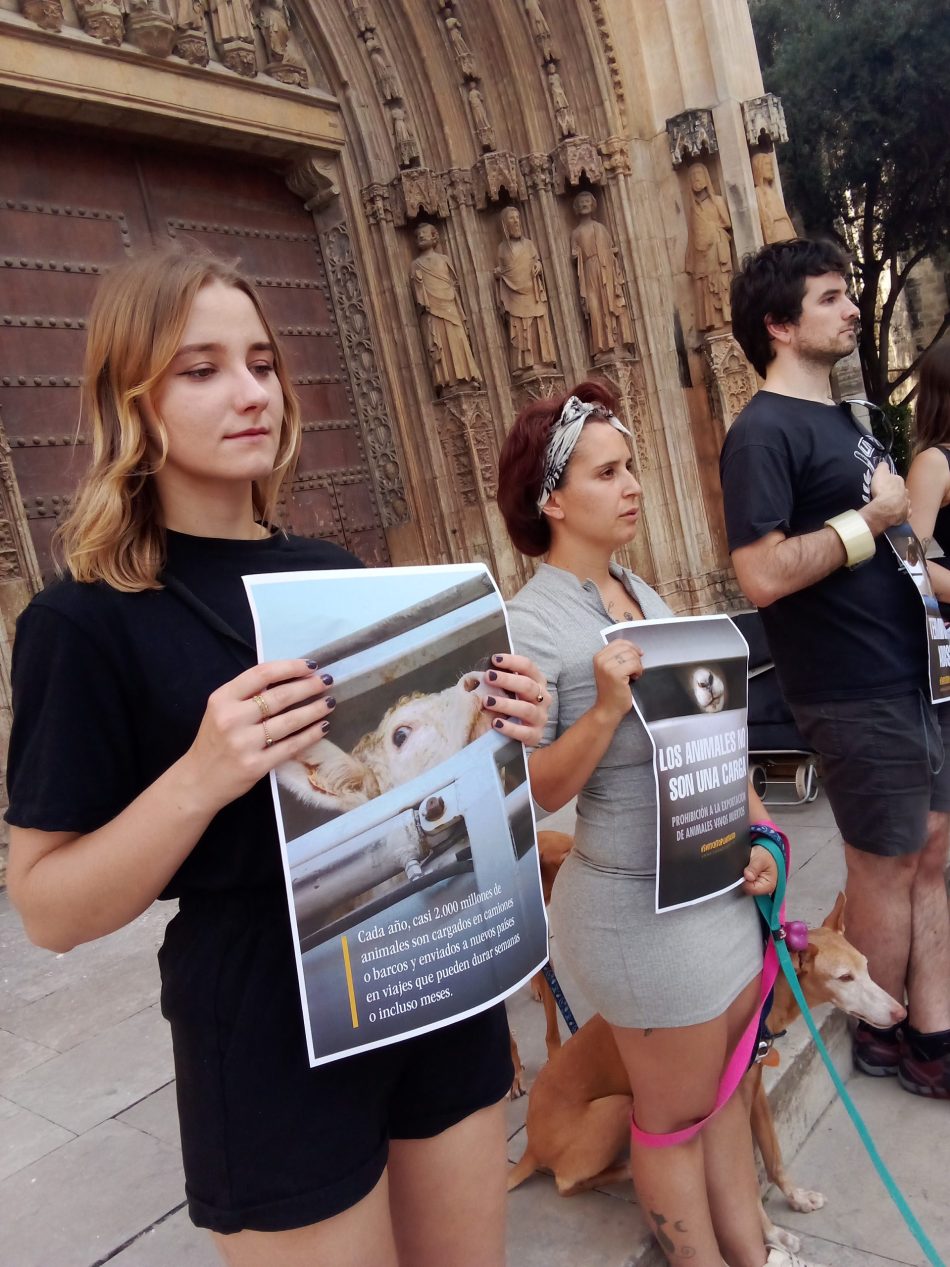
(521, 464)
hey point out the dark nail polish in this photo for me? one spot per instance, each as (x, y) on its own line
(325, 727)
(326, 679)
(330, 702)
(311, 665)
(492, 676)
(498, 723)
(497, 659)
(490, 702)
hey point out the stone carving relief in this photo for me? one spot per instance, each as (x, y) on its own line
(247, 36)
(730, 379)
(360, 356)
(600, 281)
(574, 158)
(47, 14)
(522, 298)
(536, 171)
(314, 181)
(468, 442)
(102, 19)
(540, 29)
(149, 28)
(435, 287)
(417, 191)
(691, 135)
(494, 173)
(764, 117)
(776, 223)
(610, 53)
(709, 254)
(616, 155)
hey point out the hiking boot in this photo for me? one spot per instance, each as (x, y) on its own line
(785, 1258)
(920, 1076)
(876, 1052)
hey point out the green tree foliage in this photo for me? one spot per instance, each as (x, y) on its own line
(866, 90)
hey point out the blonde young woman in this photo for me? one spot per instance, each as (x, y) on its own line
(677, 989)
(143, 734)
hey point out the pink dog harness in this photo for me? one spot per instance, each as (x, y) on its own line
(742, 1055)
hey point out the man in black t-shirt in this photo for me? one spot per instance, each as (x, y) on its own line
(808, 497)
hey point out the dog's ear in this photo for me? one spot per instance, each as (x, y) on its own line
(835, 920)
(803, 959)
(329, 778)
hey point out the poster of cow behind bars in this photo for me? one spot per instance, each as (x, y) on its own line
(692, 698)
(408, 837)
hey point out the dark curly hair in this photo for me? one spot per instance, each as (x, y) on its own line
(771, 284)
(521, 464)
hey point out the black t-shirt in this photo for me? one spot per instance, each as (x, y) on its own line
(791, 464)
(109, 690)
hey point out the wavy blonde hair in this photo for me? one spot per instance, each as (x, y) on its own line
(113, 531)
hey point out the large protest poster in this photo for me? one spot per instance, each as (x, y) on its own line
(692, 698)
(408, 837)
(905, 544)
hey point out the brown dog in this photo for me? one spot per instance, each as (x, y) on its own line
(553, 848)
(578, 1123)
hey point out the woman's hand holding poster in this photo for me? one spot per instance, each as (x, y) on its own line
(407, 834)
(692, 698)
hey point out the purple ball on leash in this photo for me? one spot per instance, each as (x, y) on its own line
(796, 935)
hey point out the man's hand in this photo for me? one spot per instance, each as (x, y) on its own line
(889, 504)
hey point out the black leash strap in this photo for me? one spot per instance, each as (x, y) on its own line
(560, 1000)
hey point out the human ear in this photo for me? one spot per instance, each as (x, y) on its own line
(778, 331)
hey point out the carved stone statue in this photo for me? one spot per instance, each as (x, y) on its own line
(709, 255)
(362, 15)
(483, 128)
(407, 147)
(191, 43)
(234, 36)
(386, 78)
(284, 59)
(436, 290)
(776, 224)
(600, 280)
(522, 297)
(463, 54)
(540, 29)
(562, 107)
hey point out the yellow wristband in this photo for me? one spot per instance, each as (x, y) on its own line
(855, 535)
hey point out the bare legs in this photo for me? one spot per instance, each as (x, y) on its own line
(898, 916)
(701, 1196)
(441, 1201)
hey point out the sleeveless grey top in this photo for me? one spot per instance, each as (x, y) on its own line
(556, 620)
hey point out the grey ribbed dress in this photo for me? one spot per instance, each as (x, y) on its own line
(639, 969)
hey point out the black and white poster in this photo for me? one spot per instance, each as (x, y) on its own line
(408, 837)
(910, 552)
(692, 698)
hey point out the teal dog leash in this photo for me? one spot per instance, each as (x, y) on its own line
(770, 908)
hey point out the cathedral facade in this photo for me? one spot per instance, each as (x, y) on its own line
(450, 206)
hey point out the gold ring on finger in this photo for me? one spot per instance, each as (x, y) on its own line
(540, 699)
(262, 705)
(268, 741)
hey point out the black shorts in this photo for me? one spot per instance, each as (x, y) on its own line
(882, 766)
(267, 1142)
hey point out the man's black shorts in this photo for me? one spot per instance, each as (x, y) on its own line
(269, 1143)
(882, 767)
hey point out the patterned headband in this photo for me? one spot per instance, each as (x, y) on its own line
(564, 437)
